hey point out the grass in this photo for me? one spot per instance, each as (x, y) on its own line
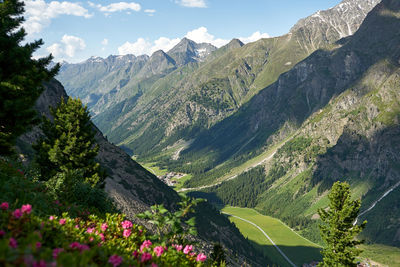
(250, 163)
(151, 167)
(297, 248)
(181, 181)
(389, 256)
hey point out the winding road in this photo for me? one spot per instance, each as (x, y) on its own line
(265, 234)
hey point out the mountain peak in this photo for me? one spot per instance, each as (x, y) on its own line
(235, 43)
(337, 22)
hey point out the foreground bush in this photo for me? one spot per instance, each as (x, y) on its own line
(27, 239)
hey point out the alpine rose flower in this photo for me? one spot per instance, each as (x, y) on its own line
(57, 251)
(201, 257)
(62, 221)
(2, 233)
(158, 250)
(126, 224)
(13, 243)
(51, 218)
(127, 232)
(178, 247)
(145, 257)
(115, 260)
(154, 264)
(187, 249)
(17, 213)
(90, 230)
(104, 227)
(4, 206)
(146, 244)
(26, 208)
(38, 245)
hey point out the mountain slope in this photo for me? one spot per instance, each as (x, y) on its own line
(196, 96)
(134, 189)
(340, 111)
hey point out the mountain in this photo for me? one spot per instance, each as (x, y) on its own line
(151, 114)
(133, 189)
(188, 51)
(333, 116)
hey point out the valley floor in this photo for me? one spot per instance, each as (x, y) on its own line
(298, 249)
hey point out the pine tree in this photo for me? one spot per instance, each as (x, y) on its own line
(338, 229)
(21, 76)
(68, 143)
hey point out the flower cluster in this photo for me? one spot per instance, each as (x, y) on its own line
(65, 241)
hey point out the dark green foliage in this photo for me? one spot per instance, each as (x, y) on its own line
(218, 255)
(243, 190)
(170, 225)
(295, 145)
(338, 230)
(21, 76)
(68, 144)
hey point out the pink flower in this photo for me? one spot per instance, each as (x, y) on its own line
(38, 245)
(158, 250)
(145, 257)
(126, 224)
(146, 244)
(83, 247)
(115, 260)
(51, 218)
(178, 247)
(74, 245)
(90, 230)
(154, 264)
(62, 221)
(76, 226)
(40, 263)
(127, 232)
(13, 243)
(187, 249)
(4, 206)
(17, 213)
(57, 251)
(91, 239)
(135, 254)
(26, 208)
(201, 257)
(2, 233)
(104, 227)
(79, 246)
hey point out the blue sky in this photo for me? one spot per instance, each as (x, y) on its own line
(76, 30)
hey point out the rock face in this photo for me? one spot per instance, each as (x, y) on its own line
(134, 189)
(340, 109)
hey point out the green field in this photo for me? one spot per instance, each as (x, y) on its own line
(385, 255)
(153, 168)
(298, 249)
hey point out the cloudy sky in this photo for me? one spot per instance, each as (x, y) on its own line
(76, 30)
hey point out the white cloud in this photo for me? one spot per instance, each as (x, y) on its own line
(201, 35)
(38, 13)
(192, 3)
(254, 37)
(142, 46)
(114, 7)
(104, 42)
(68, 47)
(150, 12)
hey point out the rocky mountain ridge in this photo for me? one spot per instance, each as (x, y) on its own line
(337, 114)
